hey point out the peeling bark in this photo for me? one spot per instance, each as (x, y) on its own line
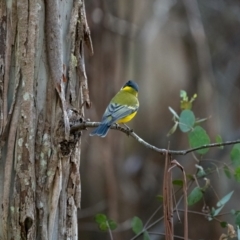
(24, 186)
(80, 33)
(41, 188)
(3, 46)
(55, 61)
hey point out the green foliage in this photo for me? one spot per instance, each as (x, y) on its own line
(175, 119)
(225, 199)
(185, 103)
(190, 177)
(146, 236)
(104, 223)
(201, 172)
(99, 218)
(186, 120)
(219, 140)
(237, 174)
(220, 204)
(235, 155)
(237, 219)
(195, 196)
(178, 182)
(223, 224)
(137, 227)
(214, 212)
(175, 115)
(160, 198)
(173, 129)
(235, 159)
(198, 137)
(227, 171)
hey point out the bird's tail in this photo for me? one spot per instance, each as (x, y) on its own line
(101, 130)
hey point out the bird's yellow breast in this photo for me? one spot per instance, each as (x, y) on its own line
(127, 118)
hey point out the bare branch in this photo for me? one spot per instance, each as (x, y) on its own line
(84, 125)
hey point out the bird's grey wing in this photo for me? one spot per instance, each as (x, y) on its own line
(116, 111)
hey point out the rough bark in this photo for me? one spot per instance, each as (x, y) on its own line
(43, 87)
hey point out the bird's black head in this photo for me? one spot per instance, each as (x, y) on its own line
(131, 84)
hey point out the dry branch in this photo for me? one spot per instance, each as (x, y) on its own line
(81, 125)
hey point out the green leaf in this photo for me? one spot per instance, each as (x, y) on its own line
(195, 196)
(237, 174)
(186, 121)
(183, 95)
(207, 184)
(103, 226)
(237, 220)
(235, 155)
(177, 182)
(146, 236)
(137, 225)
(225, 199)
(215, 212)
(173, 112)
(193, 98)
(197, 121)
(223, 224)
(227, 172)
(112, 224)
(101, 218)
(219, 140)
(190, 177)
(160, 198)
(233, 211)
(173, 129)
(185, 103)
(198, 137)
(201, 172)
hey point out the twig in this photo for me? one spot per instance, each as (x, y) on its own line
(85, 125)
(145, 229)
(167, 199)
(155, 212)
(175, 163)
(109, 230)
(163, 234)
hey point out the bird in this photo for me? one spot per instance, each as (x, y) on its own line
(121, 109)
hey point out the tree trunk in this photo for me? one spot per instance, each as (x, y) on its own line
(42, 84)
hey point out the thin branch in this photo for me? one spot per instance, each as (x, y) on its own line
(167, 199)
(149, 220)
(84, 125)
(146, 229)
(175, 163)
(110, 231)
(163, 234)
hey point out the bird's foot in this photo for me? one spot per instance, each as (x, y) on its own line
(128, 129)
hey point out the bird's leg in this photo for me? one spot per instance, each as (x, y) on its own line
(130, 130)
(118, 126)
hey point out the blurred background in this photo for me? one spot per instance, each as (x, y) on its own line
(165, 46)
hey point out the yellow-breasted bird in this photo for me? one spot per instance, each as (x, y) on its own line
(122, 108)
